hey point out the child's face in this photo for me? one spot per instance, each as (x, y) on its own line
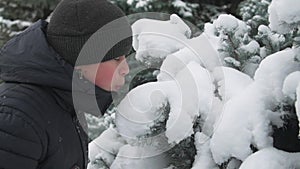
(109, 75)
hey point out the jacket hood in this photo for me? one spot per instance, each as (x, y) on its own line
(28, 58)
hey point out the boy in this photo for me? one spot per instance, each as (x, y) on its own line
(42, 72)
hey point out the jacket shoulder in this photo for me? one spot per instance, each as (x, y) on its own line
(29, 99)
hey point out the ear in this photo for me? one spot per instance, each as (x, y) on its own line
(81, 67)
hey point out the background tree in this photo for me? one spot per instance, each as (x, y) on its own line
(16, 15)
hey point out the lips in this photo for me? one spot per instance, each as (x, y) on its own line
(119, 84)
(118, 87)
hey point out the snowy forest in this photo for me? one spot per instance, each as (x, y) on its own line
(214, 85)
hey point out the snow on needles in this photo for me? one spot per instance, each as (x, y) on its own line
(271, 158)
(237, 112)
(251, 110)
(156, 39)
(191, 88)
(284, 15)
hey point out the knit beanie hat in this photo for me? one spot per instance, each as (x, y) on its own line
(73, 22)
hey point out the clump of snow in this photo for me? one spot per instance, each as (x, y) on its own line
(291, 88)
(184, 10)
(225, 22)
(129, 2)
(228, 23)
(274, 38)
(154, 39)
(230, 81)
(290, 84)
(230, 37)
(273, 70)
(247, 110)
(297, 104)
(203, 159)
(176, 62)
(284, 15)
(18, 22)
(142, 3)
(135, 115)
(130, 157)
(204, 47)
(211, 32)
(252, 47)
(270, 158)
(190, 93)
(270, 38)
(199, 49)
(232, 61)
(106, 147)
(251, 110)
(196, 94)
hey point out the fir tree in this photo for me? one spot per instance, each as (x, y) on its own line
(16, 15)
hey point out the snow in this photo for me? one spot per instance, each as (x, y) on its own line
(251, 110)
(9, 23)
(297, 104)
(232, 61)
(203, 46)
(136, 115)
(179, 3)
(184, 10)
(252, 47)
(250, 122)
(291, 88)
(230, 81)
(228, 23)
(196, 93)
(290, 84)
(270, 158)
(236, 110)
(18, 23)
(284, 15)
(199, 49)
(146, 157)
(142, 3)
(106, 146)
(191, 88)
(203, 159)
(154, 39)
(129, 2)
(273, 70)
(230, 37)
(271, 39)
(176, 62)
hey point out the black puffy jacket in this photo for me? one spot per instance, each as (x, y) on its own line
(39, 128)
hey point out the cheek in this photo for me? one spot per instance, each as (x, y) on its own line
(104, 76)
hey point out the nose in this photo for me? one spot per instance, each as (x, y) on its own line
(124, 68)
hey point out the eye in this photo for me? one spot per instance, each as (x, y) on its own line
(117, 58)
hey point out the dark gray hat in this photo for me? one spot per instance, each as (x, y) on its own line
(73, 22)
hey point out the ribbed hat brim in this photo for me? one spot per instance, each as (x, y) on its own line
(96, 50)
